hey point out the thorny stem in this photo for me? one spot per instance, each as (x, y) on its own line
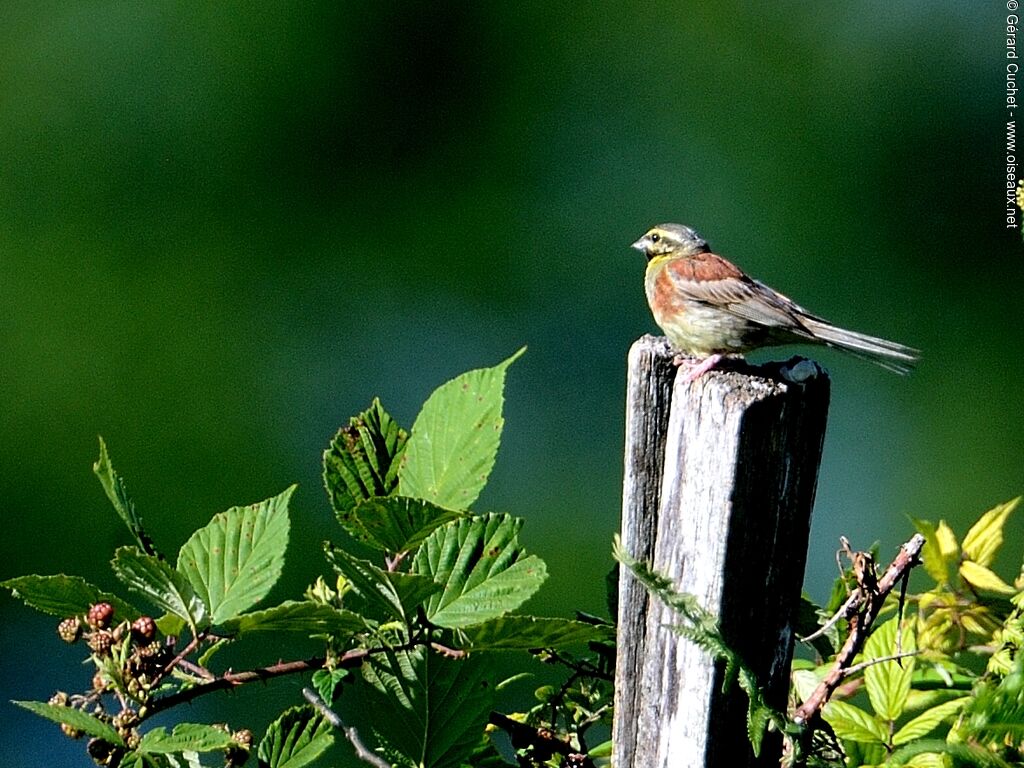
(871, 595)
(230, 679)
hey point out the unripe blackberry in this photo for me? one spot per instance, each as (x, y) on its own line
(100, 642)
(132, 740)
(100, 682)
(70, 630)
(242, 738)
(100, 615)
(238, 753)
(125, 719)
(59, 699)
(143, 630)
(71, 732)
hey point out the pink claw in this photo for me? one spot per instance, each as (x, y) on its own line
(694, 372)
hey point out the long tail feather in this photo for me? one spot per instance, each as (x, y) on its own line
(888, 354)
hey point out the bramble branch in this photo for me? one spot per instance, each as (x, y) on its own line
(868, 599)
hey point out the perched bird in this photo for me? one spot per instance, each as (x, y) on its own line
(709, 308)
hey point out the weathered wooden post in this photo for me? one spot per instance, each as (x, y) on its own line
(719, 485)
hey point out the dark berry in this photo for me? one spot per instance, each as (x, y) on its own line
(100, 615)
(103, 752)
(143, 630)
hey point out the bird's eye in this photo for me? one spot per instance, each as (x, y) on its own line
(655, 237)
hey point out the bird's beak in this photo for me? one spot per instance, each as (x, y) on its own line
(641, 244)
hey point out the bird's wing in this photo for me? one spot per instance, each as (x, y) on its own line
(712, 280)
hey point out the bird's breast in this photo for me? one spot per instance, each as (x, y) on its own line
(693, 326)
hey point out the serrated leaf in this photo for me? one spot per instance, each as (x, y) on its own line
(888, 682)
(981, 577)
(326, 682)
(928, 720)
(398, 524)
(186, 737)
(76, 718)
(117, 492)
(426, 710)
(362, 461)
(296, 616)
(395, 594)
(297, 738)
(484, 571)
(949, 549)
(986, 536)
(65, 596)
(170, 625)
(165, 587)
(455, 439)
(527, 632)
(853, 723)
(234, 561)
(931, 554)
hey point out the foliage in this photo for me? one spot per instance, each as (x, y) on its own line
(426, 592)
(409, 634)
(959, 699)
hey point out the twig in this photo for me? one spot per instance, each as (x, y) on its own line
(229, 680)
(351, 733)
(543, 741)
(871, 662)
(232, 680)
(853, 599)
(450, 653)
(844, 612)
(872, 595)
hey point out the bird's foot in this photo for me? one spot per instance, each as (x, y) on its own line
(696, 369)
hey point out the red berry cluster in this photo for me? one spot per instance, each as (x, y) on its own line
(131, 660)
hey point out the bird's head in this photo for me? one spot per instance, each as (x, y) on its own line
(671, 239)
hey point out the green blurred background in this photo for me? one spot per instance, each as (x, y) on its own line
(225, 227)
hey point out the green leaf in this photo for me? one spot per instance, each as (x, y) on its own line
(296, 616)
(395, 594)
(233, 562)
(888, 682)
(853, 723)
(986, 536)
(928, 720)
(186, 737)
(962, 755)
(297, 738)
(482, 567)
(527, 632)
(117, 492)
(76, 718)
(455, 439)
(931, 555)
(327, 682)
(165, 587)
(980, 577)
(426, 708)
(362, 461)
(66, 596)
(398, 524)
